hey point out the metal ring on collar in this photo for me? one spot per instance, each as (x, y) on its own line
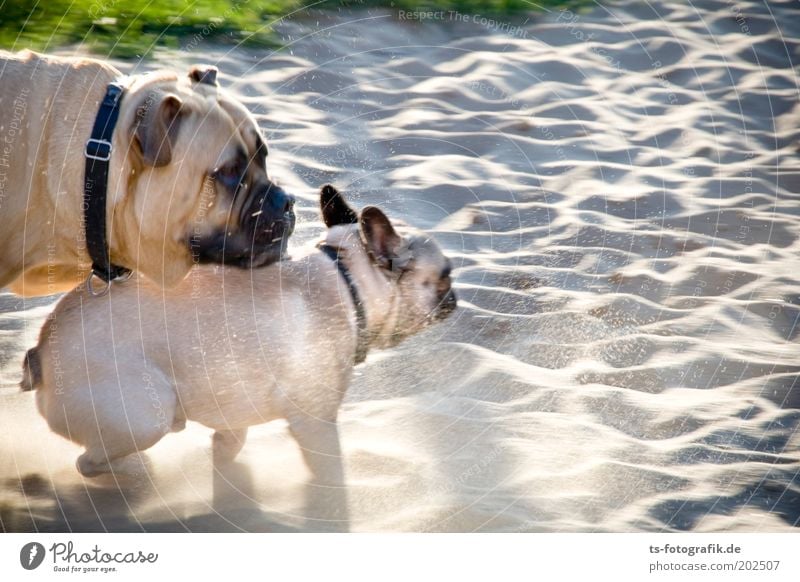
(90, 286)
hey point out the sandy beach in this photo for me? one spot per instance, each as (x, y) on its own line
(619, 191)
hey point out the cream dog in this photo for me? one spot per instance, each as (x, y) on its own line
(187, 178)
(230, 348)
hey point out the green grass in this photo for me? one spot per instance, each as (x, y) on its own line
(131, 28)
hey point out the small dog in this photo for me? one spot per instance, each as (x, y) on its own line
(230, 348)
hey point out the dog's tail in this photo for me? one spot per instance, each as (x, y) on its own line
(31, 371)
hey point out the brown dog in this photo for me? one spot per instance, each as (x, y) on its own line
(187, 178)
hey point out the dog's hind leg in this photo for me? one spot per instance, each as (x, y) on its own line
(226, 444)
(92, 463)
(122, 421)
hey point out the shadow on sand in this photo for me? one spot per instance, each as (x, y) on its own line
(109, 504)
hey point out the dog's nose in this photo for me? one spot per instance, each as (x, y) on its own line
(448, 303)
(289, 204)
(278, 200)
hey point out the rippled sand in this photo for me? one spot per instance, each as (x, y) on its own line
(619, 191)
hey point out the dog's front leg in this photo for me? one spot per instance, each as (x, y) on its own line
(226, 444)
(326, 493)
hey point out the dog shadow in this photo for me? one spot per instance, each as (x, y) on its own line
(236, 506)
(36, 503)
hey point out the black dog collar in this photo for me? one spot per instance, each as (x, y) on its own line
(362, 335)
(95, 187)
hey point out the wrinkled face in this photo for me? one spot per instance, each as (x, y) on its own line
(199, 190)
(423, 281)
(261, 218)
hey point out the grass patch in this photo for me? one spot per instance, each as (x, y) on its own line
(132, 28)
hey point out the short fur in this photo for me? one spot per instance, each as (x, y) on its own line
(230, 348)
(163, 200)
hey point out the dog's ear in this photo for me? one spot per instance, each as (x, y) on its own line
(379, 236)
(158, 121)
(205, 74)
(335, 209)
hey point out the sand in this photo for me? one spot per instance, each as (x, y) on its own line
(619, 193)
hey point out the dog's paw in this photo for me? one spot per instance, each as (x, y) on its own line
(89, 468)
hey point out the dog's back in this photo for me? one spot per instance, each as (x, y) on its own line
(224, 339)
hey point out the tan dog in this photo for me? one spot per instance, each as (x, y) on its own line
(187, 178)
(230, 348)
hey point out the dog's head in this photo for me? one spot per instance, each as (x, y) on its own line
(409, 260)
(199, 190)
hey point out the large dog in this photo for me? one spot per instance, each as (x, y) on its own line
(230, 348)
(187, 177)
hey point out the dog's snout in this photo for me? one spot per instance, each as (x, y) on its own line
(266, 223)
(450, 299)
(278, 200)
(288, 204)
(447, 304)
(271, 209)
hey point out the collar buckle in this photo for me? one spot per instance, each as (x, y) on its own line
(113, 94)
(98, 149)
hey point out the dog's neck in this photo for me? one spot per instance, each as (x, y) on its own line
(66, 242)
(59, 248)
(377, 292)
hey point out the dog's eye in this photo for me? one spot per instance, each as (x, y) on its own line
(229, 176)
